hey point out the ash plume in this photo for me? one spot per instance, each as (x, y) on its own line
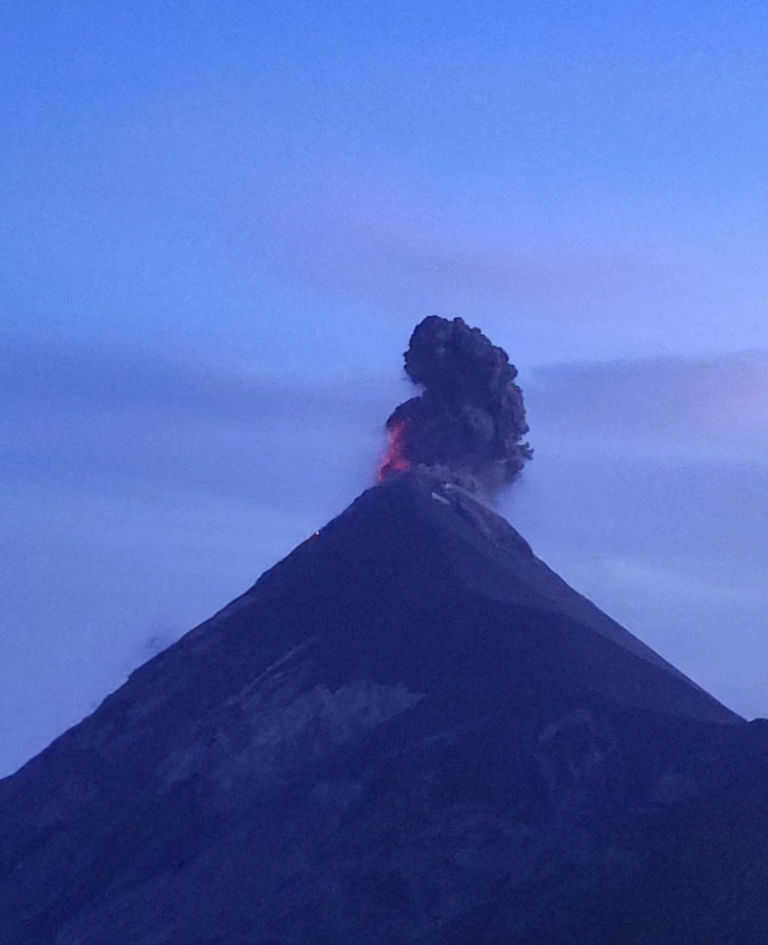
(469, 420)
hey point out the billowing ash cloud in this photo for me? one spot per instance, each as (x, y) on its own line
(468, 423)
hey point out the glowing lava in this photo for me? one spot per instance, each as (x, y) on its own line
(394, 461)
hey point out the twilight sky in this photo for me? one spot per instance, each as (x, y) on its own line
(220, 222)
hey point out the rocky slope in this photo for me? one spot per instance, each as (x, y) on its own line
(408, 731)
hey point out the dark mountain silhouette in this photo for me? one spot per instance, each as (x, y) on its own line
(408, 731)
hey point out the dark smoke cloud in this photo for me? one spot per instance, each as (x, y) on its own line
(468, 423)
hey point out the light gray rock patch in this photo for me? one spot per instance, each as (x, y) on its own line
(277, 726)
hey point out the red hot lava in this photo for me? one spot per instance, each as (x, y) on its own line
(394, 461)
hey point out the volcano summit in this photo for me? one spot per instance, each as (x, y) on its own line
(410, 730)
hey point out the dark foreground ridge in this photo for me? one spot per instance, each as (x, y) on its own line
(408, 731)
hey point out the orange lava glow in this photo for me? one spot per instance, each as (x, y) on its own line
(394, 461)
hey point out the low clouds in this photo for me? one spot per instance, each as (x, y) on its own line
(93, 377)
(712, 408)
(91, 418)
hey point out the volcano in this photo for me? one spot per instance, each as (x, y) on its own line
(410, 730)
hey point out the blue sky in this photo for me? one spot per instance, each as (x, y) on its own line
(221, 222)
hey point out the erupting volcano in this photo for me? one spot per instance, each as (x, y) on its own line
(407, 732)
(467, 424)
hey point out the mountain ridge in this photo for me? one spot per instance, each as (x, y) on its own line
(407, 717)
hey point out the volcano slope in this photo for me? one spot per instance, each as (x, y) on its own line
(409, 730)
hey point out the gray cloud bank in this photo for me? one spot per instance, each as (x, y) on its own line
(140, 493)
(718, 406)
